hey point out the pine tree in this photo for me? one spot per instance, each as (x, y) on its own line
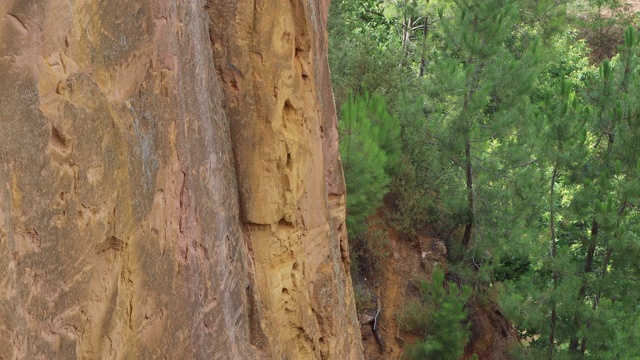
(446, 333)
(476, 88)
(370, 155)
(586, 144)
(512, 142)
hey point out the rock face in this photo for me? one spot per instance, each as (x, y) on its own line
(170, 185)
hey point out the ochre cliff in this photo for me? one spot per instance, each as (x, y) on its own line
(170, 185)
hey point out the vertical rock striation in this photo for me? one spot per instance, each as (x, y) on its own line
(272, 61)
(169, 182)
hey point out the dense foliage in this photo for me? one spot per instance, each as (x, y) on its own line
(443, 310)
(510, 128)
(370, 154)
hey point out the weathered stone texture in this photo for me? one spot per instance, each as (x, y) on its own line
(170, 183)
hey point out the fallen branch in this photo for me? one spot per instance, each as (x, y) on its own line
(374, 325)
(398, 337)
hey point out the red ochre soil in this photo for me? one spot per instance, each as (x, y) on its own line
(410, 259)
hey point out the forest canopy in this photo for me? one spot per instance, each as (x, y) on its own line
(509, 128)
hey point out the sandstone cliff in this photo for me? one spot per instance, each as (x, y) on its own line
(170, 182)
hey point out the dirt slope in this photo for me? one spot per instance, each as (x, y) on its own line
(409, 259)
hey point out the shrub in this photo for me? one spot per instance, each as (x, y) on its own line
(446, 333)
(368, 250)
(414, 317)
(363, 298)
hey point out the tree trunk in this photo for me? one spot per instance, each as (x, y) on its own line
(406, 31)
(603, 273)
(588, 268)
(605, 265)
(468, 228)
(423, 60)
(470, 200)
(552, 226)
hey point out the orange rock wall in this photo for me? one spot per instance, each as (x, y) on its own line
(169, 182)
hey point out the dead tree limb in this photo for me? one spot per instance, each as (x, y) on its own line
(374, 325)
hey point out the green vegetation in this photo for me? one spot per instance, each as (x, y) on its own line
(370, 155)
(438, 314)
(507, 127)
(365, 161)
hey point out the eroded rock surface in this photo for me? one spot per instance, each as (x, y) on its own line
(170, 182)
